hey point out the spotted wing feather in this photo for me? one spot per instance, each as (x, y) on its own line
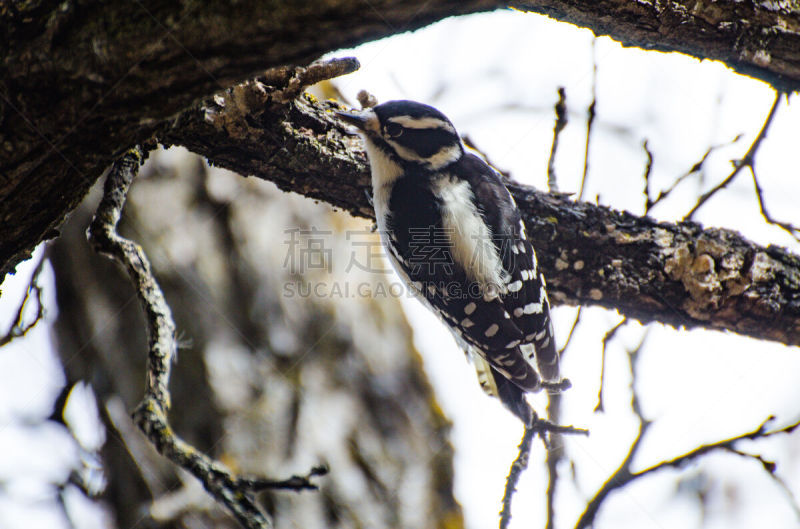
(526, 297)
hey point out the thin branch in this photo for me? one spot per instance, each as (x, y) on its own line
(555, 453)
(748, 160)
(793, 230)
(543, 426)
(554, 457)
(648, 168)
(19, 327)
(770, 467)
(591, 112)
(296, 483)
(663, 194)
(517, 467)
(561, 122)
(725, 444)
(606, 339)
(568, 341)
(622, 475)
(471, 144)
(540, 427)
(151, 414)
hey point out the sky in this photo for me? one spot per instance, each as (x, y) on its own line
(496, 76)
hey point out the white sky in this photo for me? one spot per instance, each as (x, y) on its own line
(496, 77)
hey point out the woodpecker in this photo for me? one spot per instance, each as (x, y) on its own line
(456, 237)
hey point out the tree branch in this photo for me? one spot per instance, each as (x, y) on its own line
(540, 427)
(151, 413)
(624, 476)
(748, 160)
(80, 82)
(19, 327)
(561, 122)
(676, 273)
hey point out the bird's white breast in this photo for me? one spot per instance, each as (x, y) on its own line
(384, 174)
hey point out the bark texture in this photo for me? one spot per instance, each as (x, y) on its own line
(679, 274)
(81, 81)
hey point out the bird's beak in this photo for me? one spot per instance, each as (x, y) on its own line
(359, 119)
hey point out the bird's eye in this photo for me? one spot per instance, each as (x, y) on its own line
(394, 130)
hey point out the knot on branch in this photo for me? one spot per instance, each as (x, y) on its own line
(276, 88)
(714, 269)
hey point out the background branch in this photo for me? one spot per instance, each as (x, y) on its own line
(151, 414)
(543, 428)
(19, 327)
(561, 122)
(748, 160)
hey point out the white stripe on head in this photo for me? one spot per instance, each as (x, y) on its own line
(429, 122)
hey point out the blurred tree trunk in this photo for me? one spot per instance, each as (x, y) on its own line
(269, 380)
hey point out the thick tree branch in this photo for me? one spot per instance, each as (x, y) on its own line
(80, 82)
(676, 273)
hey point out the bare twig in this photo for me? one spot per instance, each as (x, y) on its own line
(606, 339)
(568, 341)
(726, 444)
(554, 457)
(517, 467)
(505, 173)
(151, 414)
(625, 475)
(648, 168)
(561, 122)
(540, 427)
(770, 467)
(555, 453)
(590, 115)
(748, 160)
(662, 195)
(296, 483)
(622, 474)
(793, 230)
(19, 327)
(543, 426)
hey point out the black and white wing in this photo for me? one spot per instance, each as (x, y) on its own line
(507, 323)
(526, 295)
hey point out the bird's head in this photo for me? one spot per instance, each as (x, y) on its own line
(410, 133)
